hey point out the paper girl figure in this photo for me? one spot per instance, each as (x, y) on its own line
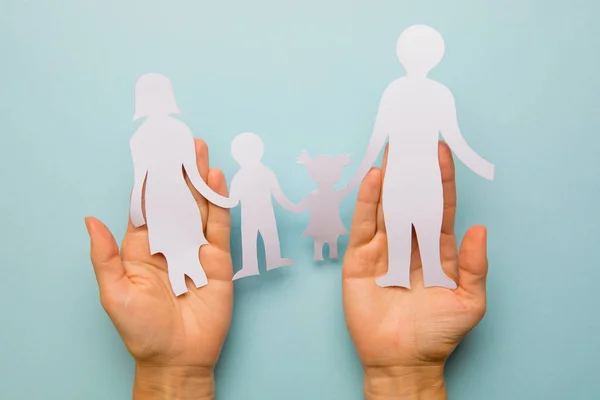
(162, 149)
(325, 224)
(254, 186)
(413, 111)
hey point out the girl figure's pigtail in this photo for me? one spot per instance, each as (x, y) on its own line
(304, 158)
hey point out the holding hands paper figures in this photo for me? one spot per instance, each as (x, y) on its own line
(163, 150)
(412, 112)
(325, 224)
(254, 186)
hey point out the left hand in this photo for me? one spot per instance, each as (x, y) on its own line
(175, 341)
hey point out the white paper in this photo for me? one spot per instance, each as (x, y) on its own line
(254, 186)
(162, 148)
(325, 224)
(413, 111)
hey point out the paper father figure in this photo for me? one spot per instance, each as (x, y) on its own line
(413, 111)
(162, 149)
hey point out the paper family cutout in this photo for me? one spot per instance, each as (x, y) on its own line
(254, 186)
(412, 113)
(325, 224)
(162, 149)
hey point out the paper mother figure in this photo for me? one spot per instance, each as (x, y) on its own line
(413, 111)
(162, 150)
(253, 186)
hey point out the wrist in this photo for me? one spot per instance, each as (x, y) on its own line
(172, 382)
(414, 383)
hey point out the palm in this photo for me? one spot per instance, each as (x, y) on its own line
(158, 327)
(397, 326)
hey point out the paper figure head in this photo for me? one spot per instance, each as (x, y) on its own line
(325, 169)
(420, 48)
(247, 149)
(154, 97)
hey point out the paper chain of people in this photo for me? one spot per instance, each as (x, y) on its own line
(413, 111)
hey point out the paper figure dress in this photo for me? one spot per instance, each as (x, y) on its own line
(162, 150)
(325, 224)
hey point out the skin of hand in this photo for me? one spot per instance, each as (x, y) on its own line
(403, 337)
(175, 341)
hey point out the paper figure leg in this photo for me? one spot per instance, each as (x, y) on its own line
(180, 265)
(249, 254)
(318, 247)
(270, 238)
(197, 275)
(399, 233)
(333, 248)
(428, 234)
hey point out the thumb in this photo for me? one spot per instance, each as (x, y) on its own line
(473, 263)
(107, 263)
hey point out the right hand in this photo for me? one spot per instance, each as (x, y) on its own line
(404, 336)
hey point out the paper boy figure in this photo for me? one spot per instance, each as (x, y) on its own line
(254, 186)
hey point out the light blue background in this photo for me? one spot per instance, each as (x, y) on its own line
(303, 75)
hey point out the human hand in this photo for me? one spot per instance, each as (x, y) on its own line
(404, 336)
(175, 341)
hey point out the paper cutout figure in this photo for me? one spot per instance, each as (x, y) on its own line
(162, 149)
(325, 224)
(253, 186)
(413, 111)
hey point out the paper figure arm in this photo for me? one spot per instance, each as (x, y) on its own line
(280, 196)
(234, 190)
(451, 133)
(136, 213)
(191, 169)
(378, 138)
(343, 192)
(300, 207)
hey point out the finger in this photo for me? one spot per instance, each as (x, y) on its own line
(202, 164)
(216, 258)
(364, 221)
(449, 187)
(473, 263)
(380, 216)
(448, 251)
(218, 225)
(107, 264)
(130, 227)
(133, 229)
